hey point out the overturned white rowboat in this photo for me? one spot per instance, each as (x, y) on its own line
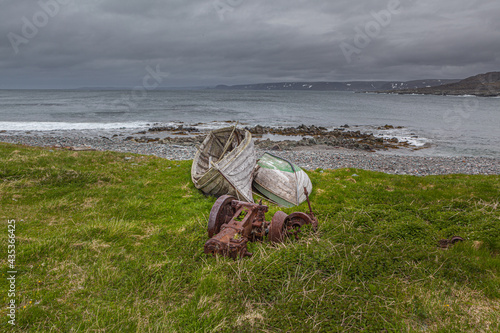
(224, 164)
(281, 181)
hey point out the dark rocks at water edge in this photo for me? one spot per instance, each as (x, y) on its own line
(184, 141)
(301, 136)
(175, 129)
(314, 135)
(308, 159)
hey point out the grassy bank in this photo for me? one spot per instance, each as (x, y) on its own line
(110, 242)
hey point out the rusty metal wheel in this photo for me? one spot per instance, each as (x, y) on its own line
(222, 212)
(295, 221)
(277, 229)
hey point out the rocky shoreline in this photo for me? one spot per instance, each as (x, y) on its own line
(339, 148)
(290, 137)
(313, 135)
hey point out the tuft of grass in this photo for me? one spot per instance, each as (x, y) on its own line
(114, 242)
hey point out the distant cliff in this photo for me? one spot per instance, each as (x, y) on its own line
(485, 85)
(354, 86)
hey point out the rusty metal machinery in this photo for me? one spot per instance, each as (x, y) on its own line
(233, 223)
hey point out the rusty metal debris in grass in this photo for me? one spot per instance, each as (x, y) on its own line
(233, 223)
(445, 243)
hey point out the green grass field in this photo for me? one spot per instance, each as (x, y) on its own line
(111, 242)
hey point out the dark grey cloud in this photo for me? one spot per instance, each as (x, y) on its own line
(72, 43)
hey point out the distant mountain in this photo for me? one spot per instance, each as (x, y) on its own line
(484, 85)
(101, 88)
(131, 88)
(355, 86)
(416, 84)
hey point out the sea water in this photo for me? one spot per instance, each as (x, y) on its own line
(450, 126)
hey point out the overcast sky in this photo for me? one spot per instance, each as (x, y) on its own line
(76, 43)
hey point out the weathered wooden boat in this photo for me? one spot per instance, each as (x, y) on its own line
(224, 164)
(281, 181)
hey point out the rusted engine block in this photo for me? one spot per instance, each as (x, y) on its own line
(232, 224)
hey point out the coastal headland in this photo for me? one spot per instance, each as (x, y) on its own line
(481, 85)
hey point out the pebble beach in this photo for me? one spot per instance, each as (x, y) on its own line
(309, 158)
